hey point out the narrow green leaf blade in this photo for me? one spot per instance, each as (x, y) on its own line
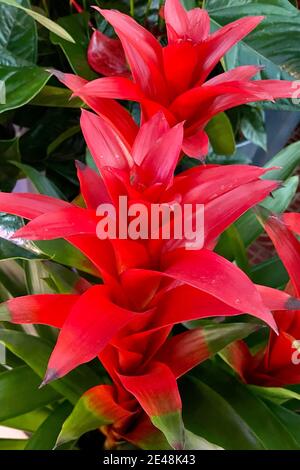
(43, 20)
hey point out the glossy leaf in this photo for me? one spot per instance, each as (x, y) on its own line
(76, 53)
(45, 436)
(252, 410)
(252, 126)
(289, 419)
(28, 422)
(49, 24)
(221, 135)
(97, 407)
(21, 83)
(275, 394)
(249, 228)
(42, 184)
(53, 96)
(36, 352)
(203, 407)
(64, 253)
(12, 444)
(272, 44)
(270, 273)
(18, 36)
(22, 382)
(9, 250)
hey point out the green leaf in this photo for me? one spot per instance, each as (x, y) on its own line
(189, 4)
(194, 442)
(36, 352)
(233, 239)
(35, 278)
(81, 420)
(64, 280)
(20, 393)
(288, 159)
(21, 84)
(9, 151)
(288, 418)
(275, 394)
(253, 126)
(46, 436)
(270, 273)
(28, 422)
(43, 20)
(12, 277)
(217, 336)
(9, 250)
(76, 54)
(41, 183)
(20, 78)
(208, 414)
(64, 253)
(280, 201)
(18, 35)
(263, 423)
(248, 226)
(12, 444)
(273, 44)
(53, 96)
(221, 135)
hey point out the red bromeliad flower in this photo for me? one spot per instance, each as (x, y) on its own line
(175, 79)
(276, 364)
(149, 285)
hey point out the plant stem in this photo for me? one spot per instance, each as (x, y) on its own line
(76, 6)
(132, 8)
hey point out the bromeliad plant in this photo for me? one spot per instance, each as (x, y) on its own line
(140, 320)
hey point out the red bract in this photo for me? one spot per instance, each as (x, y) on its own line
(149, 285)
(175, 78)
(106, 56)
(277, 363)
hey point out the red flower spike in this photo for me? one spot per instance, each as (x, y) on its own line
(273, 366)
(143, 52)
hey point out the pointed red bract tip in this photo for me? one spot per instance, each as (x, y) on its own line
(50, 376)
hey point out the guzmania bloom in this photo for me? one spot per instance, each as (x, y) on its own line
(175, 79)
(148, 285)
(276, 364)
